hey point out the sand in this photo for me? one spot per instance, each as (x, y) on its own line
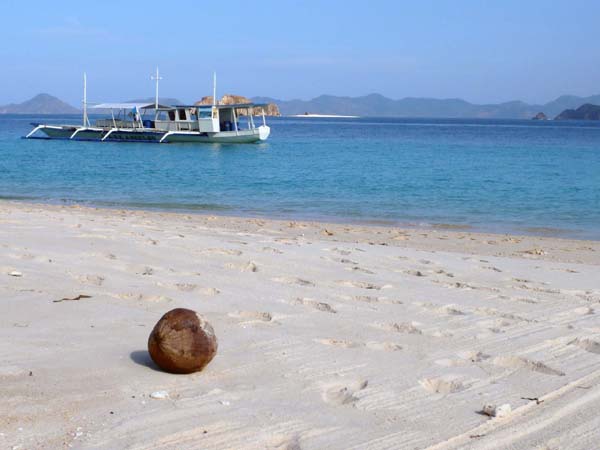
(330, 336)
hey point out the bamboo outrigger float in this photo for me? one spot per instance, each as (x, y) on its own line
(178, 123)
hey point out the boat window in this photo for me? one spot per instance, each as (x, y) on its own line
(172, 115)
(162, 115)
(205, 113)
(182, 115)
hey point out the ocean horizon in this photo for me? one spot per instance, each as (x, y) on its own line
(502, 176)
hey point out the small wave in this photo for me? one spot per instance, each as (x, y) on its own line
(18, 197)
(547, 231)
(450, 226)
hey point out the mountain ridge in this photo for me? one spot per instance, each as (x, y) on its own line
(39, 104)
(584, 112)
(424, 107)
(373, 104)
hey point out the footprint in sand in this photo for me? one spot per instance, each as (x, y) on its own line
(286, 241)
(129, 296)
(362, 285)
(524, 300)
(272, 250)
(96, 280)
(443, 272)
(347, 261)
(223, 251)
(250, 266)
(402, 327)
(442, 385)
(518, 362)
(343, 393)
(342, 343)
(584, 311)
(321, 306)
(373, 345)
(189, 287)
(156, 299)
(252, 316)
(461, 285)
(147, 271)
(283, 443)
(209, 291)
(414, 273)
(495, 269)
(186, 287)
(366, 298)
(360, 269)
(293, 280)
(340, 251)
(385, 346)
(240, 242)
(503, 315)
(449, 310)
(473, 356)
(464, 358)
(587, 344)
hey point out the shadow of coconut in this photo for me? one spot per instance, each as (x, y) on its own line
(142, 357)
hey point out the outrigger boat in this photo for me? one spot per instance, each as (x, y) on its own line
(178, 123)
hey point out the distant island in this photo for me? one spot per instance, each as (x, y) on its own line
(584, 112)
(373, 105)
(376, 105)
(40, 104)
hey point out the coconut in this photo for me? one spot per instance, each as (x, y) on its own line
(182, 341)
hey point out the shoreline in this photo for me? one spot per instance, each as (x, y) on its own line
(214, 210)
(441, 237)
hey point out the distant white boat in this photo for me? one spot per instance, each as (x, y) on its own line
(129, 122)
(326, 116)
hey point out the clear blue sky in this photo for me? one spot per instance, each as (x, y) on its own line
(482, 51)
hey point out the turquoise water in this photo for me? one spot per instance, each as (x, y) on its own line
(502, 176)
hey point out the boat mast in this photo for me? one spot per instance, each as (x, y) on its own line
(85, 116)
(214, 88)
(157, 78)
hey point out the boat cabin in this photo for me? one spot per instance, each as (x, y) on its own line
(197, 118)
(205, 118)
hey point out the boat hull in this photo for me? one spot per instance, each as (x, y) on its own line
(156, 136)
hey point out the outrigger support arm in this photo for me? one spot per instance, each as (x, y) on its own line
(168, 133)
(109, 133)
(84, 129)
(39, 127)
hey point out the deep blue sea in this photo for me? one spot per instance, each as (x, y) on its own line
(490, 175)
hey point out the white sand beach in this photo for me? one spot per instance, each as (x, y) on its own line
(330, 335)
